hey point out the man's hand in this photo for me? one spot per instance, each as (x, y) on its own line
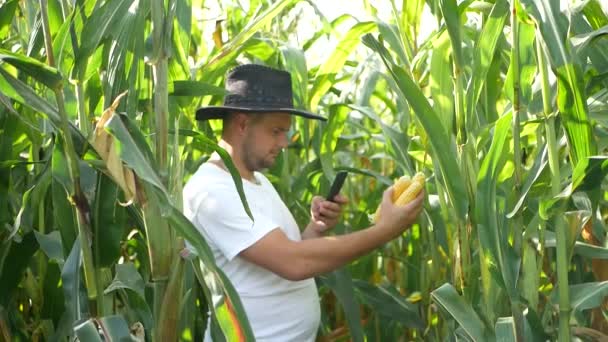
(397, 218)
(324, 215)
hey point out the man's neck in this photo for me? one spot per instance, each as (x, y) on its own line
(236, 159)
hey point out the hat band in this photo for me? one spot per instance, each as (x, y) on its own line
(258, 101)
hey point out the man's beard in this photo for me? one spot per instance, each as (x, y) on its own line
(254, 163)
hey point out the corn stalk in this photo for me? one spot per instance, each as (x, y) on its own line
(161, 239)
(517, 225)
(77, 198)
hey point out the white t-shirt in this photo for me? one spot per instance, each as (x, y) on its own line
(278, 309)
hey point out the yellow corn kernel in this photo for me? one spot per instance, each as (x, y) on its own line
(409, 194)
(405, 190)
(400, 185)
(419, 177)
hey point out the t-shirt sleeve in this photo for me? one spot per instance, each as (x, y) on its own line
(222, 216)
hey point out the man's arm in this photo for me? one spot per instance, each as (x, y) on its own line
(297, 260)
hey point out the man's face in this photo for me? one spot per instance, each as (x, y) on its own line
(265, 137)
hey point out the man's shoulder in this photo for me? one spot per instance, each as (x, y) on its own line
(208, 177)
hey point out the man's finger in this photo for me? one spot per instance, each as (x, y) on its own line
(331, 208)
(327, 205)
(340, 199)
(417, 201)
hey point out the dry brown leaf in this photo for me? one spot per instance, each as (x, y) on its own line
(103, 143)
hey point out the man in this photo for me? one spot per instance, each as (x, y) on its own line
(269, 261)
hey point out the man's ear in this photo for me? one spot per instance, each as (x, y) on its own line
(241, 121)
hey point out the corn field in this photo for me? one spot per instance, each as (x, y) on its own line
(502, 105)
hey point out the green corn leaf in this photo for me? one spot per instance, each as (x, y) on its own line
(389, 34)
(53, 305)
(441, 83)
(95, 29)
(341, 284)
(236, 176)
(486, 184)
(51, 245)
(132, 151)
(87, 331)
(109, 221)
(570, 92)
(489, 215)
(24, 94)
(326, 75)
(75, 301)
(7, 13)
(451, 15)
(128, 279)
(41, 72)
(183, 30)
(111, 328)
(526, 65)
(249, 30)
(505, 329)
(396, 141)
(585, 296)
(580, 248)
(444, 149)
(224, 300)
(18, 255)
(295, 63)
(484, 52)
(125, 62)
(585, 177)
(389, 304)
(582, 41)
(64, 215)
(115, 328)
(589, 173)
(540, 164)
(337, 120)
(62, 46)
(449, 300)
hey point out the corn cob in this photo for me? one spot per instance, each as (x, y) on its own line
(400, 185)
(419, 177)
(405, 190)
(409, 194)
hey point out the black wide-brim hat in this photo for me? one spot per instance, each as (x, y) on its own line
(254, 88)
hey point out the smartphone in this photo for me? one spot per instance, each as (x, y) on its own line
(336, 186)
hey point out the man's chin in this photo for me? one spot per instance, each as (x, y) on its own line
(264, 165)
(267, 165)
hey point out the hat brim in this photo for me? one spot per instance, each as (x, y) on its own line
(219, 112)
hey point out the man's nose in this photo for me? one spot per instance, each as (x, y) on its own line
(283, 140)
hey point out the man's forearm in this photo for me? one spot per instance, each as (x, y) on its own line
(316, 256)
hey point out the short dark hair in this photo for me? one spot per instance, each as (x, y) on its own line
(256, 117)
